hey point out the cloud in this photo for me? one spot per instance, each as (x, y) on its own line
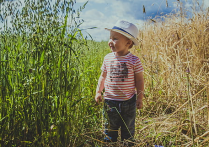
(121, 8)
(95, 18)
(133, 8)
(95, 1)
(206, 4)
(92, 14)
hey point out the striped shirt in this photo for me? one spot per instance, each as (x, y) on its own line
(120, 83)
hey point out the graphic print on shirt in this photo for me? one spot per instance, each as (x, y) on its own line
(118, 71)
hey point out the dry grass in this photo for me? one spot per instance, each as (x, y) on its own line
(175, 56)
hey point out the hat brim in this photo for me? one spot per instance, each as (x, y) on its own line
(125, 34)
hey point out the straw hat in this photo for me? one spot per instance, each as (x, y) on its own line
(127, 29)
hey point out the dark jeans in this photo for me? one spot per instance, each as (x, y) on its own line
(119, 114)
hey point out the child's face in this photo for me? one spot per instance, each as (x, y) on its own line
(119, 43)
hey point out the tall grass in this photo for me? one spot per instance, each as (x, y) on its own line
(48, 72)
(175, 56)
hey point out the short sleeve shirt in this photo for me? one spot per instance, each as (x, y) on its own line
(120, 83)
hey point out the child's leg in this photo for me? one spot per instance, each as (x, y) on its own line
(112, 121)
(128, 114)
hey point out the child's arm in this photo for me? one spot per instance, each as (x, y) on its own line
(100, 87)
(139, 81)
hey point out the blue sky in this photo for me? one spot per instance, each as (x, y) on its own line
(104, 13)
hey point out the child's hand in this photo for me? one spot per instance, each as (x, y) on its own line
(139, 103)
(98, 98)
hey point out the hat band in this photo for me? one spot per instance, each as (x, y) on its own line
(117, 28)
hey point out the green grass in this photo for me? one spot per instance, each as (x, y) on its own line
(48, 78)
(47, 95)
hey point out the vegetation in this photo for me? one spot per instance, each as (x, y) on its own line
(175, 56)
(49, 72)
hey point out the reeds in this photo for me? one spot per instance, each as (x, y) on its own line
(174, 53)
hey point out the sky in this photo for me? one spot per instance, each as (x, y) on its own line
(105, 13)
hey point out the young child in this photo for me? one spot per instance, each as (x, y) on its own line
(122, 78)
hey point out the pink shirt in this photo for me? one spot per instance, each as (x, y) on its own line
(120, 83)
